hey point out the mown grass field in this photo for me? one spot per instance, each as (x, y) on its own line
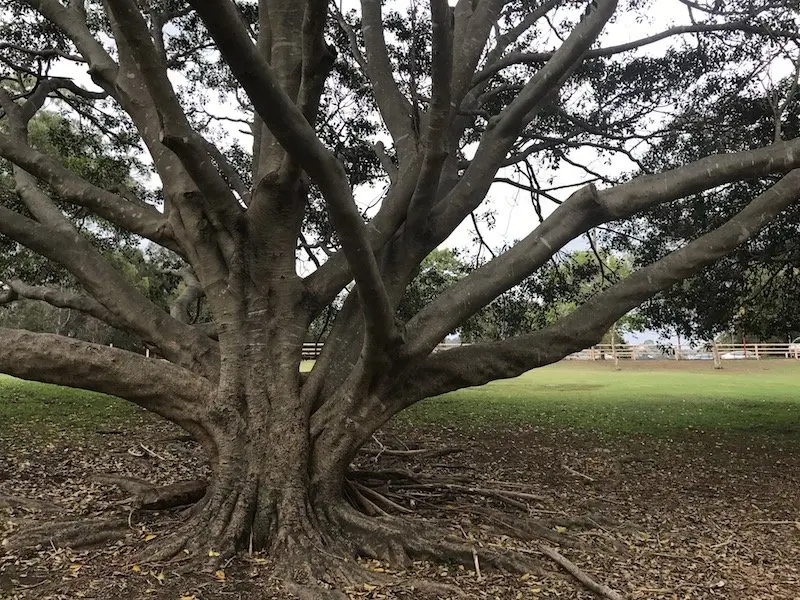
(643, 397)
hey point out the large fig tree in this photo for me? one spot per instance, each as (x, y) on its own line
(450, 101)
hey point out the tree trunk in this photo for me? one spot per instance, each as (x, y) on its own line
(267, 491)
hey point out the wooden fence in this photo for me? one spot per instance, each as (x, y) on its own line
(706, 352)
(312, 351)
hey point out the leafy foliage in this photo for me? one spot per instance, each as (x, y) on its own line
(753, 291)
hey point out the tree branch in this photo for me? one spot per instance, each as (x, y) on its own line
(189, 296)
(64, 299)
(292, 130)
(516, 58)
(438, 118)
(472, 28)
(394, 107)
(49, 54)
(502, 131)
(480, 363)
(132, 312)
(140, 219)
(158, 386)
(584, 209)
(176, 132)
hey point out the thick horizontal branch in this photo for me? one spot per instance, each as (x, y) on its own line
(517, 58)
(583, 210)
(480, 363)
(287, 123)
(47, 54)
(36, 98)
(156, 385)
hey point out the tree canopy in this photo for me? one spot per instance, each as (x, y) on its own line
(300, 158)
(753, 291)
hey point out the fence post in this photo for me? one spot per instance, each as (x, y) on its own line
(614, 348)
(591, 352)
(758, 356)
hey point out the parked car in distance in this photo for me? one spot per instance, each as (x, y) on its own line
(735, 355)
(794, 347)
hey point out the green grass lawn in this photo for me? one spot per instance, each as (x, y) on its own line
(26, 406)
(644, 397)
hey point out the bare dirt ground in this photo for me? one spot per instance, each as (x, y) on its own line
(701, 515)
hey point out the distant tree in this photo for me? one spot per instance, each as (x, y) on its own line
(754, 290)
(437, 272)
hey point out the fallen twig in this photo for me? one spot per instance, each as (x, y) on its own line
(418, 453)
(152, 453)
(477, 563)
(572, 569)
(504, 496)
(572, 471)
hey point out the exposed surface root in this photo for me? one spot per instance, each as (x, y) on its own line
(154, 497)
(383, 492)
(70, 534)
(399, 541)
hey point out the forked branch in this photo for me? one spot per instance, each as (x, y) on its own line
(583, 210)
(176, 132)
(505, 128)
(480, 363)
(61, 299)
(287, 123)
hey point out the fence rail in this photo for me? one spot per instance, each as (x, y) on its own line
(312, 351)
(705, 352)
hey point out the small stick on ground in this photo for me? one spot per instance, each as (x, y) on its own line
(572, 569)
(419, 453)
(572, 471)
(506, 496)
(477, 563)
(152, 452)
